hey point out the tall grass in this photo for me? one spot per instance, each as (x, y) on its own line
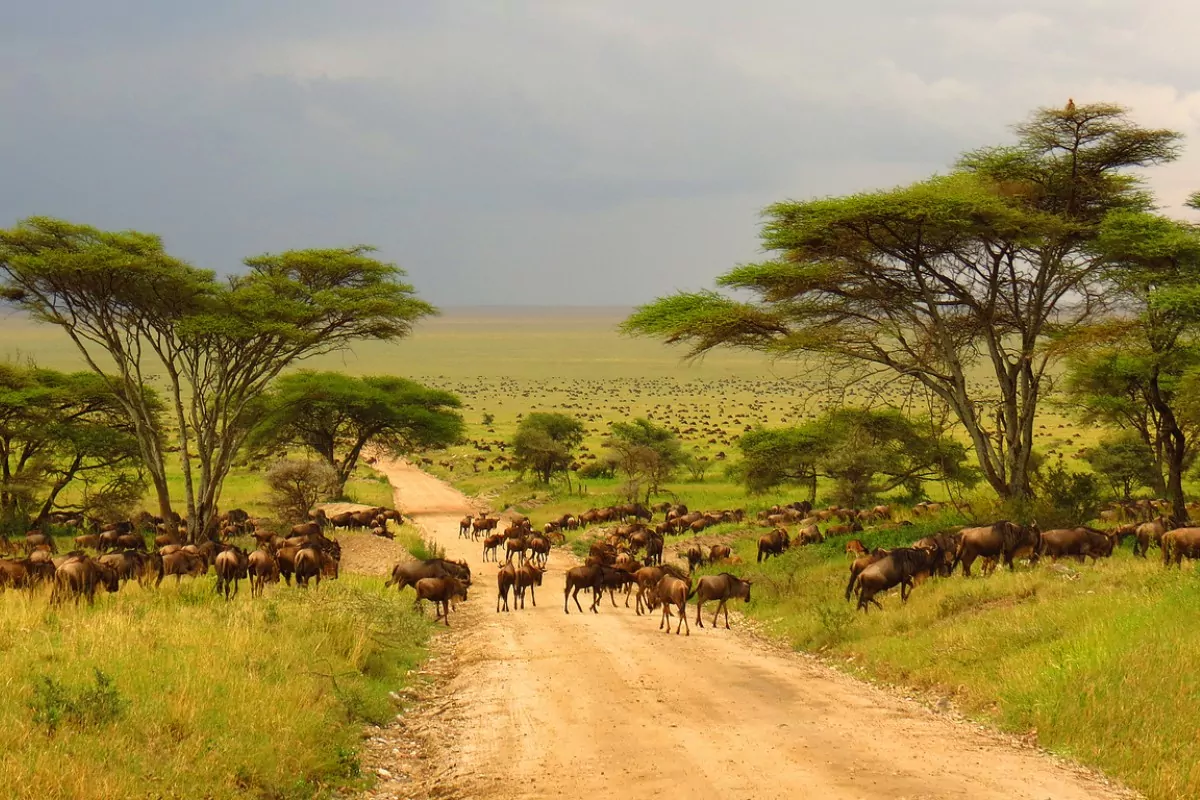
(175, 693)
(1098, 660)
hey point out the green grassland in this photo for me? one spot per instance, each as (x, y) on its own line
(1096, 659)
(176, 693)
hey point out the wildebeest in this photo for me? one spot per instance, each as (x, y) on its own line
(1078, 543)
(900, 567)
(860, 564)
(718, 552)
(528, 576)
(945, 545)
(441, 591)
(128, 563)
(491, 544)
(773, 544)
(695, 557)
(1149, 532)
(231, 566)
(719, 587)
(79, 577)
(310, 562)
(577, 578)
(540, 547)
(261, 567)
(855, 548)
(672, 591)
(506, 579)
(180, 563)
(1003, 539)
(1178, 543)
(407, 573)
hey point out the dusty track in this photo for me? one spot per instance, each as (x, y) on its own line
(537, 703)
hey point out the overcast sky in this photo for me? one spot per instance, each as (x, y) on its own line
(585, 153)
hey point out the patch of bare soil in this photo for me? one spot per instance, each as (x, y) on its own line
(537, 703)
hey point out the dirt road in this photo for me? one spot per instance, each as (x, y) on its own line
(537, 703)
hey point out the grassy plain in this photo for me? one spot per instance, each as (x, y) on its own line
(196, 697)
(1095, 659)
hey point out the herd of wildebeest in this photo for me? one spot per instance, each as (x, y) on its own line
(107, 556)
(625, 555)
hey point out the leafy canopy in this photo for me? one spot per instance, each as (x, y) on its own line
(338, 416)
(545, 443)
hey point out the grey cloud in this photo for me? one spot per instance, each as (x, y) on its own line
(534, 152)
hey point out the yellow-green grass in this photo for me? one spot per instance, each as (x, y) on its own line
(1097, 659)
(261, 698)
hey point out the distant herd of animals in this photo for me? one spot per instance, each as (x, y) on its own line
(627, 556)
(115, 553)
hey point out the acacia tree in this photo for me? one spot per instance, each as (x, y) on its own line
(132, 309)
(1129, 369)
(648, 454)
(58, 430)
(865, 452)
(339, 416)
(545, 443)
(929, 281)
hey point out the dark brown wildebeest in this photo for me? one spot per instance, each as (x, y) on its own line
(590, 577)
(773, 544)
(128, 563)
(24, 574)
(719, 587)
(464, 527)
(842, 530)
(231, 566)
(441, 591)
(491, 544)
(901, 567)
(1179, 543)
(613, 579)
(695, 557)
(79, 577)
(506, 579)
(131, 541)
(1149, 532)
(515, 544)
(262, 568)
(285, 561)
(1078, 543)
(718, 552)
(180, 563)
(89, 540)
(671, 591)
(483, 525)
(312, 563)
(305, 529)
(1005, 540)
(528, 576)
(861, 563)
(946, 546)
(654, 549)
(407, 573)
(34, 540)
(810, 534)
(539, 546)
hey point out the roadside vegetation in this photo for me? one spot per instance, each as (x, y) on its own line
(174, 692)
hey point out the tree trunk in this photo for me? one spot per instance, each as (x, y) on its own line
(1175, 450)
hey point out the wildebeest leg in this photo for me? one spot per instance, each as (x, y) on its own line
(567, 597)
(612, 595)
(724, 605)
(532, 597)
(699, 603)
(683, 618)
(968, 558)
